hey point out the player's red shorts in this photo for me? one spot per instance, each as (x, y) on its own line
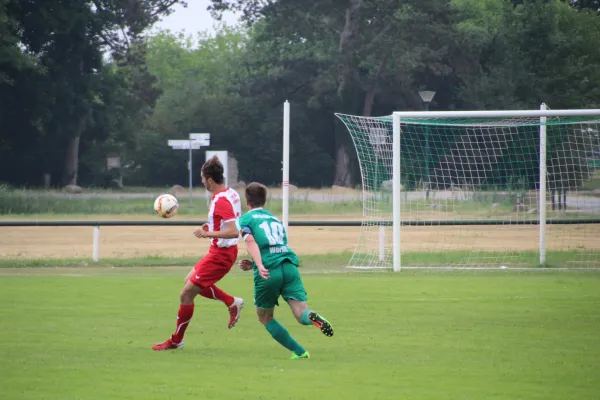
(214, 266)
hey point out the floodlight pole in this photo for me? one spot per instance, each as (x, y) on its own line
(427, 97)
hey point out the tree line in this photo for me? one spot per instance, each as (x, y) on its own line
(83, 80)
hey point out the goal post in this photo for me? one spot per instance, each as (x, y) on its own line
(542, 187)
(471, 188)
(396, 192)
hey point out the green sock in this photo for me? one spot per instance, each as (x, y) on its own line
(304, 318)
(283, 337)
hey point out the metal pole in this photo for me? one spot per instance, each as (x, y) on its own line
(427, 153)
(498, 113)
(286, 165)
(190, 168)
(542, 199)
(396, 245)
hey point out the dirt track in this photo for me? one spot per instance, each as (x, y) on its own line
(127, 242)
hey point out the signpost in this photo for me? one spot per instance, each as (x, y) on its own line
(195, 142)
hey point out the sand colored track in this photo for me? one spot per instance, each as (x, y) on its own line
(128, 242)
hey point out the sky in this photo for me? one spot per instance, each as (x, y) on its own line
(195, 18)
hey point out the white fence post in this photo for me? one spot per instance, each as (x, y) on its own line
(381, 243)
(96, 245)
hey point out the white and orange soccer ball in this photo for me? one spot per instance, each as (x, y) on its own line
(166, 205)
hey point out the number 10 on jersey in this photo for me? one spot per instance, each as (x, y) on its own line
(274, 232)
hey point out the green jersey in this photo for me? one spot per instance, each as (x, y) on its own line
(270, 236)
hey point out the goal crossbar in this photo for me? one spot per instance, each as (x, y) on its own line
(498, 113)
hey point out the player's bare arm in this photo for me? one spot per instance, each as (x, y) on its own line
(254, 251)
(229, 231)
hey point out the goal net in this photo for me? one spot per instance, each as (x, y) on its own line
(468, 186)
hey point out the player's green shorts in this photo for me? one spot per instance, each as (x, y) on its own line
(284, 280)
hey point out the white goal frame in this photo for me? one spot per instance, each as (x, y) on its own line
(542, 114)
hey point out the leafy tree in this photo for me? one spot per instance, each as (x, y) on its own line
(351, 47)
(198, 78)
(592, 5)
(67, 39)
(80, 79)
(12, 58)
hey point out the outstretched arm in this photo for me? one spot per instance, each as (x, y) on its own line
(254, 251)
(229, 231)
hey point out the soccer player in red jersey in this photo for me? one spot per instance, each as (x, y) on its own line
(225, 209)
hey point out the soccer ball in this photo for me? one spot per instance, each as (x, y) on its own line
(166, 205)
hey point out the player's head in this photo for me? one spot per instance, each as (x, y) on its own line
(212, 174)
(256, 195)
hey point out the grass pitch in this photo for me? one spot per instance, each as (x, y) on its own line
(76, 333)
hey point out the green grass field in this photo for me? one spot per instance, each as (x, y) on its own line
(335, 262)
(24, 203)
(76, 333)
(75, 330)
(19, 204)
(41, 204)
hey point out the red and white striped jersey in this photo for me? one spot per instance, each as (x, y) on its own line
(225, 206)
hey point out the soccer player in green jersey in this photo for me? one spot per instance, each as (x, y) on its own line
(275, 271)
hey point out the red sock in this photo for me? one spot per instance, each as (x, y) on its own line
(184, 317)
(214, 293)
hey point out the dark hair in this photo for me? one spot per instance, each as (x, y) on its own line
(256, 194)
(213, 169)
